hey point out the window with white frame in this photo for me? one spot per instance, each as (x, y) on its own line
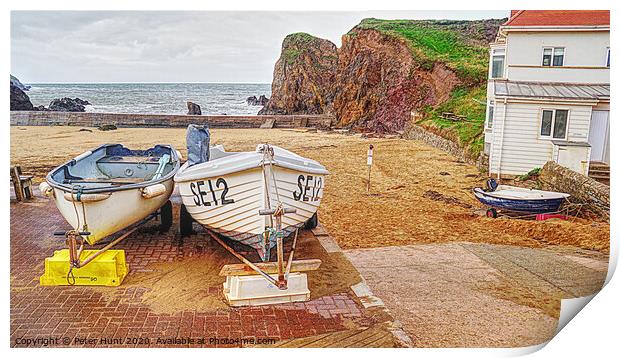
(491, 110)
(607, 58)
(554, 123)
(497, 63)
(553, 56)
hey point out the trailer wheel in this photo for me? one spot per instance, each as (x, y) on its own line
(491, 213)
(185, 222)
(312, 222)
(165, 214)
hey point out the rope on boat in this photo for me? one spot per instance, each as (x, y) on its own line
(78, 193)
(70, 276)
(271, 233)
(77, 190)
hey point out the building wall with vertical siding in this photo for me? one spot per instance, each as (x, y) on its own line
(522, 149)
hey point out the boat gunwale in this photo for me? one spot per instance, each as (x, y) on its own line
(68, 188)
(182, 177)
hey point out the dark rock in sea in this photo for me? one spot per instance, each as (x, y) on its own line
(107, 127)
(15, 82)
(83, 102)
(260, 101)
(67, 104)
(193, 109)
(20, 100)
(40, 108)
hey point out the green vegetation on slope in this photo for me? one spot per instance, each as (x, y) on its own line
(463, 47)
(294, 43)
(445, 41)
(464, 102)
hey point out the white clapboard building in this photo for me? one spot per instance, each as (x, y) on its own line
(548, 92)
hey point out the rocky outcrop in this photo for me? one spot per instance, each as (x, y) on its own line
(67, 104)
(383, 71)
(193, 109)
(260, 101)
(15, 82)
(379, 82)
(20, 100)
(303, 77)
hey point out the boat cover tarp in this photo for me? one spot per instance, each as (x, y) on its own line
(120, 150)
(197, 139)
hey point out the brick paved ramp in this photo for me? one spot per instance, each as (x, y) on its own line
(478, 295)
(82, 316)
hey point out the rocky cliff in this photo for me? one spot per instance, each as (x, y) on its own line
(15, 82)
(384, 70)
(303, 76)
(20, 100)
(379, 82)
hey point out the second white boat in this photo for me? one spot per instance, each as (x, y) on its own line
(227, 193)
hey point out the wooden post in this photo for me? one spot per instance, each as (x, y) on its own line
(17, 184)
(369, 163)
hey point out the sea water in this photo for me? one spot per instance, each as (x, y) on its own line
(156, 98)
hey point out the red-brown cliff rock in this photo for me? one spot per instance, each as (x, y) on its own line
(303, 76)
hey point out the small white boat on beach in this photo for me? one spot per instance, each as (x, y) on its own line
(110, 188)
(238, 194)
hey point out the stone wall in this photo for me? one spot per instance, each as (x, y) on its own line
(419, 133)
(89, 119)
(583, 190)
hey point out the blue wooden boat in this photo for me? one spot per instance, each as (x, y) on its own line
(521, 200)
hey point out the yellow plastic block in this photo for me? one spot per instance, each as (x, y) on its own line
(108, 269)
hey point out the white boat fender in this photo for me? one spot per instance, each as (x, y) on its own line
(153, 191)
(82, 156)
(86, 198)
(46, 189)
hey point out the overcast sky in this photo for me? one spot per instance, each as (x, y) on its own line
(104, 46)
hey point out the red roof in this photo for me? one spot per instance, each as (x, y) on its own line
(558, 18)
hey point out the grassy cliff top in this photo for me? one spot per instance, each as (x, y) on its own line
(296, 43)
(461, 45)
(300, 37)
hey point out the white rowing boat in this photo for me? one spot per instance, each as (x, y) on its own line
(109, 188)
(226, 193)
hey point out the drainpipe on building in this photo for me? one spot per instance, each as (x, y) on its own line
(501, 143)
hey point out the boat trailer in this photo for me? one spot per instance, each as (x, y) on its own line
(251, 284)
(77, 266)
(567, 211)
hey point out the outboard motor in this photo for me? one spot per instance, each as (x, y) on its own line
(491, 184)
(197, 139)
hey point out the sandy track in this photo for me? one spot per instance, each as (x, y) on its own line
(399, 210)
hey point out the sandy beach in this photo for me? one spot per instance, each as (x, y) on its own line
(419, 194)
